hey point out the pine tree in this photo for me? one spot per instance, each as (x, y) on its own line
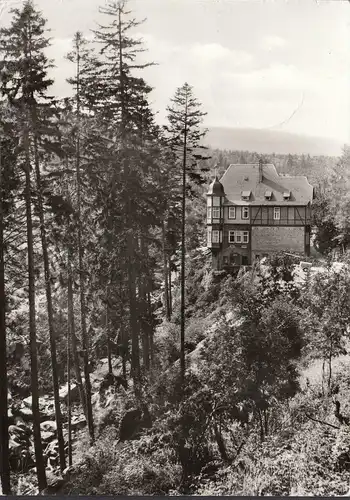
(185, 117)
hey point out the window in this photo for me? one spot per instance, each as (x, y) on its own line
(286, 195)
(231, 236)
(245, 236)
(268, 195)
(216, 212)
(238, 237)
(245, 195)
(209, 236)
(277, 213)
(209, 213)
(216, 237)
(231, 212)
(245, 212)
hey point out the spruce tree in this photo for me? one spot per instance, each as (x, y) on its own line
(122, 103)
(77, 57)
(8, 145)
(25, 84)
(185, 117)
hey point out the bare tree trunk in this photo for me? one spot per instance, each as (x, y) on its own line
(323, 375)
(262, 434)
(165, 275)
(151, 339)
(108, 333)
(73, 339)
(170, 290)
(69, 403)
(84, 335)
(220, 442)
(183, 256)
(4, 433)
(38, 447)
(329, 371)
(144, 313)
(124, 350)
(135, 348)
(266, 422)
(52, 332)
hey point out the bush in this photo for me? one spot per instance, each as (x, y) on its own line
(139, 475)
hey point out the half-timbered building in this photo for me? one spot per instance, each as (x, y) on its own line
(253, 211)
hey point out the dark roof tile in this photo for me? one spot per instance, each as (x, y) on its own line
(234, 183)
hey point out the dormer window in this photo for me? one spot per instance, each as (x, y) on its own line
(246, 195)
(286, 195)
(268, 195)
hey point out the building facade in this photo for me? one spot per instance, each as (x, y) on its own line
(253, 211)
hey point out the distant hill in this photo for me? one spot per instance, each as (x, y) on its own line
(271, 141)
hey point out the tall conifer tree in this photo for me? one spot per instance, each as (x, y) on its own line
(185, 117)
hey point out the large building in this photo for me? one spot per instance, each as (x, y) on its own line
(253, 211)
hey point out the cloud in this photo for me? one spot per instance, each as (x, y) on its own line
(216, 53)
(272, 42)
(275, 76)
(238, 87)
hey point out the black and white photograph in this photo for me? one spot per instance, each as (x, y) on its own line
(175, 248)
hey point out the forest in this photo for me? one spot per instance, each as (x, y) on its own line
(127, 365)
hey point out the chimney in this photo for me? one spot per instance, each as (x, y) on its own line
(260, 170)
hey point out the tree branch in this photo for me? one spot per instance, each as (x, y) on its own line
(322, 422)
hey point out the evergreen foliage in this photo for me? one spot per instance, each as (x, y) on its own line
(123, 354)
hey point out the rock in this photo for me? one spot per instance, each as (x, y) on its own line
(54, 483)
(14, 445)
(10, 414)
(48, 426)
(74, 393)
(130, 424)
(27, 402)
(78, 423)
(47, 436)
(19, 421)
(26, 414)
(52, 448)
(47, 416)
(19, 431)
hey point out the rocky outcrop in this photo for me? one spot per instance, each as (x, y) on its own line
(133, 422)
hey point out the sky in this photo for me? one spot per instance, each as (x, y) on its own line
(268, 64)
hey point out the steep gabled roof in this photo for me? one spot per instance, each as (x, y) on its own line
(239, 178)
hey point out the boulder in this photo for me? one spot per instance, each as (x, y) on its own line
(19, 421)
(49, 415)
(54, 483)
(48, 426)
(14, 445)
(130, 424)
(78, 423)
(19, 431)
(10, 415)
(26, 414)
(47, 436)
(74, 393)
(27, 402)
